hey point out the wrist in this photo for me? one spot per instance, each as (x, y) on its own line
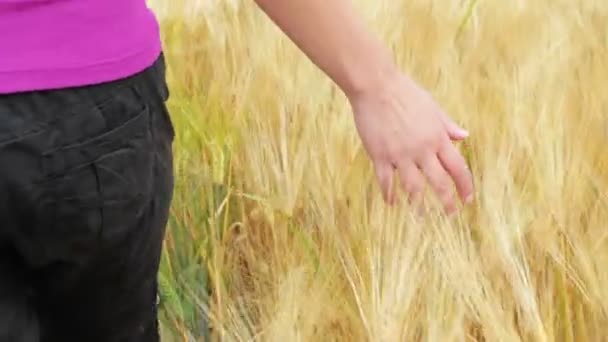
(371, 74)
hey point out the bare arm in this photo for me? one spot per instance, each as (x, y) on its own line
(332, 35)
(401, 126)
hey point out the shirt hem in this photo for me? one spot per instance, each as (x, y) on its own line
(40, 80)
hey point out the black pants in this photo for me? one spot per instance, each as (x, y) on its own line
(86, 181)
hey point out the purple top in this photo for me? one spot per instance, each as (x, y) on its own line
(50, 44)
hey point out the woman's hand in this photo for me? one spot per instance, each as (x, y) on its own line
(401, 126)
(404, 130)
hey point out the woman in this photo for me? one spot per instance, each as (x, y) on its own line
(86, 152)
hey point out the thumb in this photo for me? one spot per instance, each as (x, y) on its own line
(455, 132)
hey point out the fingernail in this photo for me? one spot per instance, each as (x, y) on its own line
(463, 132)
(469, 199)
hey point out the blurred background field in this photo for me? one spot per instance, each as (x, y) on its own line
(278, 231)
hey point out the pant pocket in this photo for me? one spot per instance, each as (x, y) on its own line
(72, 210)
(125, 180)
(95, 190)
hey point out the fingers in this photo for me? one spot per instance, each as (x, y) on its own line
(384, 173)
(441, 170)
(440, 181)
(412, 182)
(455, 165)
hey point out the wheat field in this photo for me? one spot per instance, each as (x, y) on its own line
(278, 230)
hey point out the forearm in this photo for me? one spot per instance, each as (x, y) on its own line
(334, 37)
